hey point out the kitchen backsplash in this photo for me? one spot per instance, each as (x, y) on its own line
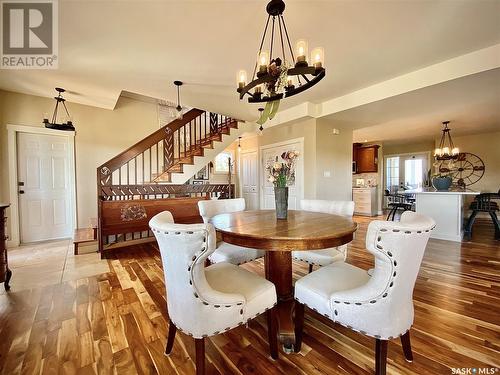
(368, 179)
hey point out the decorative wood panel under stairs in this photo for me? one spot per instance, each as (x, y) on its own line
(150, 177)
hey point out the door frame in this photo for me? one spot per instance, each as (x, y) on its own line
(240, 170)
(262, 174)
(12, 135)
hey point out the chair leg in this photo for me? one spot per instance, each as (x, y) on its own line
(310, 268)
(405, 341)
(389, 215)
(200, 356)
(380, 356)
(299, 325)
(494, 218)
(470, 223)
(172, 329)
(272, 332)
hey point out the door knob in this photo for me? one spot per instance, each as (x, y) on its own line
(20, 183)
(21, 191)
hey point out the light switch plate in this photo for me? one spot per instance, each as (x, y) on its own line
(326, 174)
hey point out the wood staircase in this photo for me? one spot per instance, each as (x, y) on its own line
(196, 149)
(155, 158)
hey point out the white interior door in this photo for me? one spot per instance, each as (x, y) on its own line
(295, 188)
(44, 192)
(250, 180)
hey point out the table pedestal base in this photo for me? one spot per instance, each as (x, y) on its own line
(278, 266)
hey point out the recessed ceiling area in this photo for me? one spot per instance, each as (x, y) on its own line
(142, 47)
(471, 103)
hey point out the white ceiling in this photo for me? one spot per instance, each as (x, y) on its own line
(142, 46)
(472, 104)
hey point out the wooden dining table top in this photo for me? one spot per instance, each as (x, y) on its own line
(303, 230)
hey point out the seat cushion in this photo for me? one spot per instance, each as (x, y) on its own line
(234, 254)
(315, 289)
(319, 257)
(259, 293)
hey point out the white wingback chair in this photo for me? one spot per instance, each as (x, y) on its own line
(227, 252)
(380, 306)
(334, 254)
(203, 301)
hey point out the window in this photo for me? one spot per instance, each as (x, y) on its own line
(413, 173)
(221, 163)
(392, 172)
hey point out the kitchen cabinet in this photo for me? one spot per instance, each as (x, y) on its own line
(365, 201)
(365, 158)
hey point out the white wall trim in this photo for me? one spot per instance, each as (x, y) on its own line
(261, 167)
(12, 131)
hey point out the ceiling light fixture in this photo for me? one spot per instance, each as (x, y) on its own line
(279, 77)
(446, 149)
(68, 125)
(179, 107)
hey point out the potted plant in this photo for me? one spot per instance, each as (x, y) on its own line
(281, 175)
(442, 180)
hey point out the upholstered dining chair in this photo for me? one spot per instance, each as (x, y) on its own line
(334, 254)
(381, 305)
(227, 252)
(205, 301)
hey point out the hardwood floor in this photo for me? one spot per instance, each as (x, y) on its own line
(117, 322)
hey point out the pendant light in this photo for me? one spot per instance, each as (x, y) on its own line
(446, 149)
(53, 124)
(179, 107)
(279, 72)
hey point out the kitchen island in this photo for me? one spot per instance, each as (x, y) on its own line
(446, 208)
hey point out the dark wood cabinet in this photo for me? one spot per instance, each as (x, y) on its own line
(5, 272)
(365, 158)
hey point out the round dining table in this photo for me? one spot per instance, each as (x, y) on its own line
(302, 230)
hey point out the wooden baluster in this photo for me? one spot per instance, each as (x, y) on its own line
(179, 141)
(184, 128)
(157, 161)
(150, 166)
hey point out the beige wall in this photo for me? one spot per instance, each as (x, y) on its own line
(394, 149)
(333, 155)
(101, 134)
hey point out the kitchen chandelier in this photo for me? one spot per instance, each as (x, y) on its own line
(446, 149)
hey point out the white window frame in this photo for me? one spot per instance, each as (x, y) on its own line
(231, 153)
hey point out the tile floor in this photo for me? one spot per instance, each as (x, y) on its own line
(47, 263)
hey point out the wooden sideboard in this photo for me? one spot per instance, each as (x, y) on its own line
(5, 272)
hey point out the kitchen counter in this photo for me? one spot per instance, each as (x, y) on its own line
(446, 208)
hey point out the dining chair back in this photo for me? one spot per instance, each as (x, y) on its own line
(226, 252)
(325, 256)
(210, 208)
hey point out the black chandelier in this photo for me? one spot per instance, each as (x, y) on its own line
(279, 77)
(68, 125)
(446, 149)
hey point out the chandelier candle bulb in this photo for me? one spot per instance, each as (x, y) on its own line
(263, 61)
(242, 79)
(301, 50)
(455, 151)
(318, 57)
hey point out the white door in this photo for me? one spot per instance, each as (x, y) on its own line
(295, 187)
(44, 192)
(249, 180)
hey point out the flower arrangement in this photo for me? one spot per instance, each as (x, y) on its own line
(282, 173)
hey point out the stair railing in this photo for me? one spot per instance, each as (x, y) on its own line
(141, 163)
